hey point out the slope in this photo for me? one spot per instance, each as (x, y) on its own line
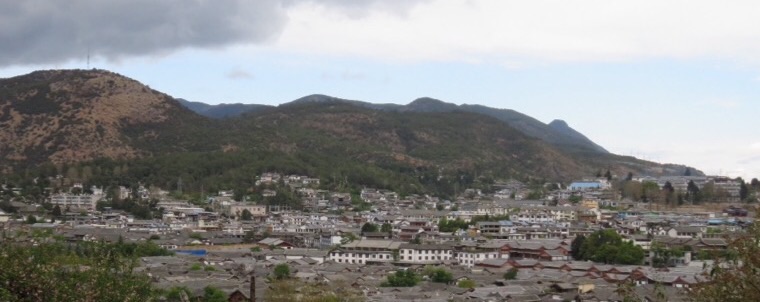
(76, 115)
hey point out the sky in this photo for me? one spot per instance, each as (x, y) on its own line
(667, 81)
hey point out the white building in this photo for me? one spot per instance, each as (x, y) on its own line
(469, 258)
(425, 253)
(364, 251)
(75, 201)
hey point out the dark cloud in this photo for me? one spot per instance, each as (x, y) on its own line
(39, 31)
(53, 31)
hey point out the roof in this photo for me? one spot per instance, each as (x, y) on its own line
(376, 244)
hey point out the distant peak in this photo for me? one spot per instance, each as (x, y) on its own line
(315, 98)
(427, 104)
(427, 100)
(559, 124)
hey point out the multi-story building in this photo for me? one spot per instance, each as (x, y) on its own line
(237, 209)
(425, 253)
(75, 201)
(366, 251)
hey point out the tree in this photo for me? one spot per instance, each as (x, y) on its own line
(467, 283)
(736, 279)
(403, 278)
(608, 175)
(369, 228)
(692, 191)
(31, 219)
(246, 215)
(511, 274)
(650, 191)
(629, 177)
(743, 191)
(386, 228)
(52, 271)
(213, 294)
(347, 237)
(281, 271)
(56, 212)
(687, 172)
(178, 294)
(608, 247)
(439, 275)
(575, 246)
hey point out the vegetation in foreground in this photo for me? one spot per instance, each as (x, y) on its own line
(38, 267)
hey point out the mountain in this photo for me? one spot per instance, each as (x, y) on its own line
(76, 115)
(221, 111)
(119, 130)
(558, 134)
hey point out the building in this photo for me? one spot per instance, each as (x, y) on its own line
(75, 201)
(366, 251)
(237, 209)
(425, 253)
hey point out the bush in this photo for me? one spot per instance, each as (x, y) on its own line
(466, 283)
(282, 271)
(55, 271)
(511, 274)
(405, 278)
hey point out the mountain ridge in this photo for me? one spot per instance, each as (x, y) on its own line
(563, 137)
(104, 121)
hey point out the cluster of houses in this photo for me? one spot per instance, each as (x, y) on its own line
(324, 241)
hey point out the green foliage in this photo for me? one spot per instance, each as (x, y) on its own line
(386, 228)
(196, 267)
(439, 275)
(348, 237)
(281, 271)
(55, 271)
(403, 278)
(467, 283)
(213, 294)
(445, 225)
(31, 219)
(174, 294)
(511, 274)
(735, 278)
(607, 246)
(139, 208)
(575, 246)
(664, 257)
(56, 212)
(197, 236)
(369, 228)
(246, 215)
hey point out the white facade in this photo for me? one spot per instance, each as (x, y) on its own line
(470, 258)
(424, 254)
(82, 201)
(364, 251)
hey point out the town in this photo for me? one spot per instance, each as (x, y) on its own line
(510, 243)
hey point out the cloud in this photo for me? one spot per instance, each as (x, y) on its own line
(52, 31)
(539, 30)
(238, 74)
(755, 146)
(505, 33)
(40, 31)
